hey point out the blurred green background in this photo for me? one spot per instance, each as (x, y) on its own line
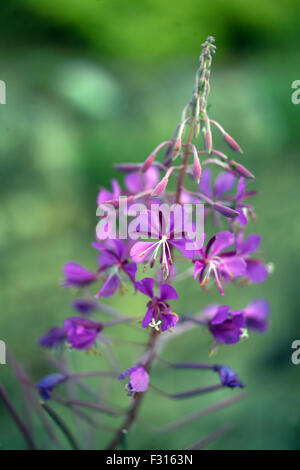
(94, 82)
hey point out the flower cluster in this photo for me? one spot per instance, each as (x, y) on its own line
(174, 174)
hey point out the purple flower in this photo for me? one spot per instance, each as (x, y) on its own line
(81, 333)
(256, 314)
(228, 377)
(165, 234)
(255, 271)
(159, 314)
(227, 327)
(136, 182)
(138, 379)
(215, 195)
(105, 195)
(52, 338)
(114, 263)
(77, 276)
(213, 261)
(85, 306)
(47, 384)
(245, 210)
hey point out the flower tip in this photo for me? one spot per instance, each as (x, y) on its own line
(161, 186)
(232, 143)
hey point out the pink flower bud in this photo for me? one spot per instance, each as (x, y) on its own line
(196, 166)
(232, 143)
(240, 170)
(208, 141)
(160, 187)
(177, 147)
(148, 162)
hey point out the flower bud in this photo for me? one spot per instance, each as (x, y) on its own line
(127, 167)
(240, 170)
(232, 143)
(226, 211)
(148, 162)
(177, 147)
(160, 187)
(196, 166)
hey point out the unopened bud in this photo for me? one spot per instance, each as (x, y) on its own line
(148, 162)
(177, 147)
(232, 143)
(196, 166)
(240, 170)
(160, 187)
(226, 211)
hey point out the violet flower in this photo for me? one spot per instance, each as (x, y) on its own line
(81, 333)
(85, 306)
(77, 276)
(105, 195)
(215, 194)
(227, 327)
(137, 182)
(245, 209)
(228, 377)
(138, 379)
(159, 314)
(214, 261)
(48, 383)
(114, 262)
(165, 235)
(256, 271)
(54, 337)
(256, 315)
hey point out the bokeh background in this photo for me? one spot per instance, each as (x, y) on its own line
(94, 82)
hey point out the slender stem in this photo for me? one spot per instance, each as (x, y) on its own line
(17, 419)
(185, 163)
(62, 425)
(134, 409)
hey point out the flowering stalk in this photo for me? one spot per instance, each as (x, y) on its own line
(156, 239)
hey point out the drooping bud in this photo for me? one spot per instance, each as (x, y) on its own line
(207, 135)
(126, 167)
(160, 187)
(240, 170)
(177, 147)
(149, 160)
(196, 166)
(226, 211)
(232, 143)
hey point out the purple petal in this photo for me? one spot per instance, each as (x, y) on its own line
(130, 269)
(221, 315)
(224, 182)
(251, 243)
(256, 271)
(204, 185)
(145, 286)
(139, 380)
(185, 246)
(77, 276)
(233, 266)
(138, 253)
(109, 287)
(104, 196)
(223, 240)
(168, 320)
(167, 292)
(134, 182)
(147, 318)
(257, 313)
